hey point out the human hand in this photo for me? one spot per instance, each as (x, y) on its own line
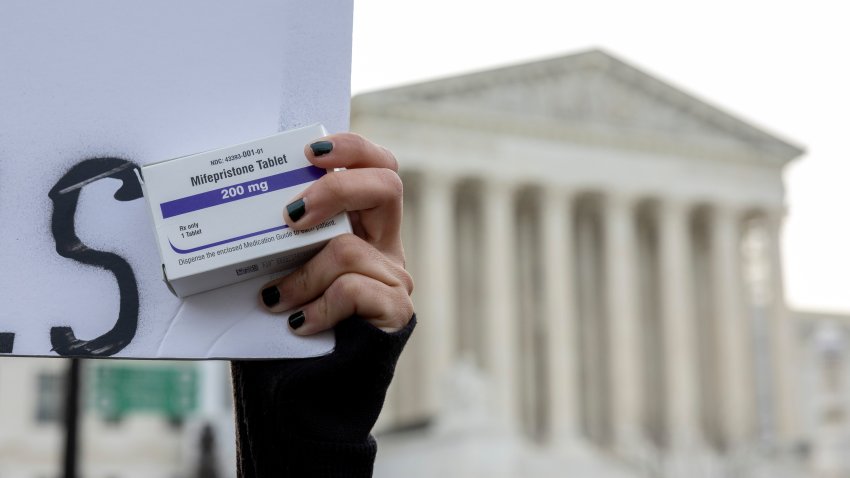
(354, 274)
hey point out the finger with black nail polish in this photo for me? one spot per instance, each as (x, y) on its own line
(271, 296)
(296, 209)
(296, 320)
(321, 148)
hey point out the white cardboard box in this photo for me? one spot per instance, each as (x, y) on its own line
(218, 215)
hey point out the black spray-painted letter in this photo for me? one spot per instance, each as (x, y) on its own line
(65, 195)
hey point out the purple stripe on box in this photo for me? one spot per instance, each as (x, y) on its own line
(232, 239)
(248, 189)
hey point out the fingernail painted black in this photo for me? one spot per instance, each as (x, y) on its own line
(271, 296)
(296, 209)
(321, 148)
(296, 320)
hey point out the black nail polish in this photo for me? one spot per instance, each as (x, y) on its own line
(271, 296)
(296, 209)
(321, 148)
(296, 320)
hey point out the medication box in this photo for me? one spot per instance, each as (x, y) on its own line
(218, 215)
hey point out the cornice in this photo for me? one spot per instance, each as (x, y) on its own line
(447, 116)
(412, 101)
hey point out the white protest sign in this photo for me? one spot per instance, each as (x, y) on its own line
(90, 91)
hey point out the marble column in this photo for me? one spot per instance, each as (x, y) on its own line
(783, 339)
(593, 346)
(679, 340)
(560, 315)
(623, 315)
(435, 284)
(734, 348)
(500, 300)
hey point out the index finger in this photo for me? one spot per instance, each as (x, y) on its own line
(349, 150)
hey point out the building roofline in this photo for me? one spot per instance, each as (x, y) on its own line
(597, 59)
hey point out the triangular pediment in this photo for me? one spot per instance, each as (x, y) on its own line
(592, 92)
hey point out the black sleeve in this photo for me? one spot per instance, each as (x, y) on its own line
(312, 417)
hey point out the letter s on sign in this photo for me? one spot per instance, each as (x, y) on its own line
(65, 195)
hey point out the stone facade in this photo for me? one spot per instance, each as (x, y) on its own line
(578, 233)
(825, 392)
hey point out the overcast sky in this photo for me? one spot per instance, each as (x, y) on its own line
(783, 66)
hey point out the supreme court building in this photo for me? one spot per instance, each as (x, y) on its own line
(598, 278)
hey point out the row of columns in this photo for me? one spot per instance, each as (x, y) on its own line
(436, 289)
